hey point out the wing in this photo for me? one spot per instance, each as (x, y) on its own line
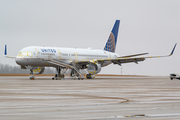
(121, 60)
(81, 64)
(133, 55)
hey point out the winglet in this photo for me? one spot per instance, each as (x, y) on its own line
(173, 49)
(5, 51)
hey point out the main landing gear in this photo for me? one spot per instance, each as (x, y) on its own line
(58, 77)
(61, 74)
(90, 76)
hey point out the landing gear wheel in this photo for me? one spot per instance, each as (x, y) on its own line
(58, 78)
(56, 75)
(31, 77)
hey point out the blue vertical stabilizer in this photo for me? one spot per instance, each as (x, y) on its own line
(112, 40)
(5, 51)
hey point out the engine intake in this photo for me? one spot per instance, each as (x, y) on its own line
(93, 68)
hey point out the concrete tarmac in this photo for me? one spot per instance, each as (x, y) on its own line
(103, 98)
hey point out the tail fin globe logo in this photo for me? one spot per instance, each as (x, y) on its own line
(112, 40)
(110, 45)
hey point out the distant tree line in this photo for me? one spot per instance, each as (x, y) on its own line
(8, 69)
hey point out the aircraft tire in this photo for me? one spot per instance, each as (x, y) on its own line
(31, 77)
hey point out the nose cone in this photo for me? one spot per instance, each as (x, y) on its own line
(21, 61)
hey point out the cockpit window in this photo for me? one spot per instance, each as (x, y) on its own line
(25, 53)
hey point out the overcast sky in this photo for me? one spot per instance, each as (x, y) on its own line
(151, 26)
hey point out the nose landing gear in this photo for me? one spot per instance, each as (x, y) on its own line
(31, 77)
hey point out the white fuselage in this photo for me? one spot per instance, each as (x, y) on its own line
(36, 55)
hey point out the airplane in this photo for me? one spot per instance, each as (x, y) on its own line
(36, 58)
(174, 76)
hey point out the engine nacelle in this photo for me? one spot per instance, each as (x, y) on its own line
(93, 68)
(38, 70)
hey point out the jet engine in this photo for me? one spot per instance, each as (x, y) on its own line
(38, 70)
(94, 68)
